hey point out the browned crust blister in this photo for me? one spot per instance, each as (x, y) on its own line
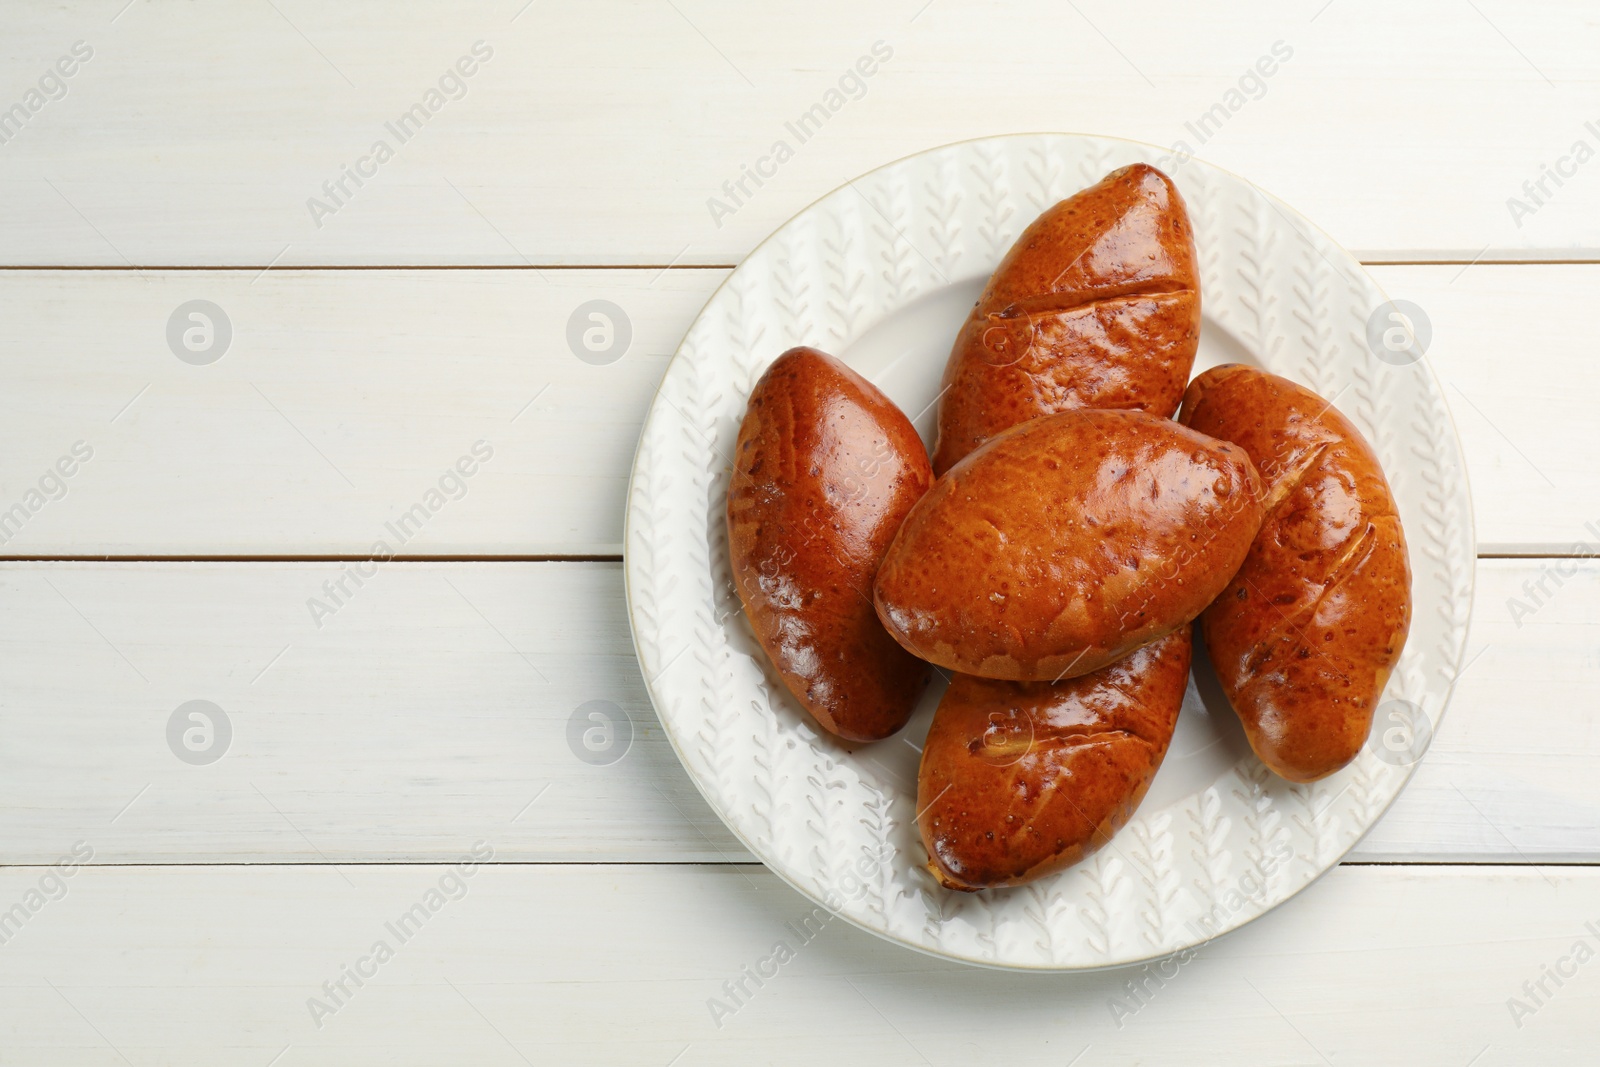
(1305, 636)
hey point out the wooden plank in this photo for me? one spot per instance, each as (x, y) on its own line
(434, 705)
(1401, 129)
(331, 414)
(1522, 412)
(619, 965)
(344, 396)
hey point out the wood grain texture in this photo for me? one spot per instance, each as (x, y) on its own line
(344, 395)
(618, 965)
(578, 145)
(433, 709)
(434, 705)
(330, 414)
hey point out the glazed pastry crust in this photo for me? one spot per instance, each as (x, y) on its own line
(825, 469)
(1096, 305)
(1305, 636)
(1022, 779)
(1065, 543)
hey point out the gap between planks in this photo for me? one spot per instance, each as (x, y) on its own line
(1533, 552)
(615, 557)
(1447, 260)
(730, 864)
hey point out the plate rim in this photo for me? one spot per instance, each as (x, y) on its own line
(1423, 364)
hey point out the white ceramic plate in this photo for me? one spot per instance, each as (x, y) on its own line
(881, 273)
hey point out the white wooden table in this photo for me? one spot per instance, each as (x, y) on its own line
(216, 898)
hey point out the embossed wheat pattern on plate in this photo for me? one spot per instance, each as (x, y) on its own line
(810, 810)
(1152, 859)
